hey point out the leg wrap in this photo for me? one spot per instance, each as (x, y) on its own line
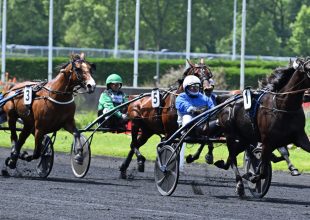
(283, 151)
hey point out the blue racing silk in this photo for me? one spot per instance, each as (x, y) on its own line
(184, 101)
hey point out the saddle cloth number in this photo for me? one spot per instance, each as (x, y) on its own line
(155, 98)
(247, 100)
(28, 95)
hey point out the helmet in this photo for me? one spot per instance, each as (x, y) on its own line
(188, 81)
(114, 78)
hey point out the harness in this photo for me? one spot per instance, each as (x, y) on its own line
(256, 103)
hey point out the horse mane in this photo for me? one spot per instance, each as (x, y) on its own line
(277, 79)
(73, 58)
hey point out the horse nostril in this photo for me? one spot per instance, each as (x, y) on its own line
(91, 87)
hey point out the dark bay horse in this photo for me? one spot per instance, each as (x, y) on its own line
(51, 109)
(147, 121)
(276, 119)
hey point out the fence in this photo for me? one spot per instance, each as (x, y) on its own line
(14, 50)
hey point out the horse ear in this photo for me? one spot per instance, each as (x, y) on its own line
(296, 64)
(82, 56)
(202, 61)
(189, 62)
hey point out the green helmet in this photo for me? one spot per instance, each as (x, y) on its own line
(114, 78)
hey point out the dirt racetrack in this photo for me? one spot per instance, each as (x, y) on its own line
(203, 192)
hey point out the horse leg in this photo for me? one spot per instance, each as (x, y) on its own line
(78, 151)
(142, 139)
(265, 159)
(190, 158)
(285, 154)
(302, 141)
(222, 165)
(230, 142)
(24, 134)
(234, 149)
(15, 149)
(38, 138)
(214, 130)
(239, 186)
(209, 155)
(136, 142)
(125, 164)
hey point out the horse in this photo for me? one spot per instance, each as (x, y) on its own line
(275, 119)
(275, 159)
(51, 109)
(147, 121)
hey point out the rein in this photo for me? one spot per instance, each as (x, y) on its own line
(275, 109)
(287, 93)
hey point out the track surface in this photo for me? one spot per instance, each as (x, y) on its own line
(203, 192)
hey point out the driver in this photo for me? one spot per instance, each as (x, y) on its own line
(112, 97)
(188, 103)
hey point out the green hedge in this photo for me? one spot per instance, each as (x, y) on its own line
(36, 68)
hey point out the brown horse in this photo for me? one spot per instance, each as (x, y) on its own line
(51, 109)
(276, 119)
(147, 121)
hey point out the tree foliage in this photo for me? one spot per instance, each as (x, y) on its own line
(300, 41)
(274, 27)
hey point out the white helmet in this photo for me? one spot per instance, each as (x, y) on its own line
(190, 80)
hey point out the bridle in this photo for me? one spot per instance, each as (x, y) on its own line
(200, 71)
(78, 73)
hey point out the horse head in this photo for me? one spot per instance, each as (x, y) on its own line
(203, 72)
(80, 72)
(302, 64)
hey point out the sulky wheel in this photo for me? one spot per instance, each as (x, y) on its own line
(80, 169)
(45, 163)
(166, 175)
(251, 165)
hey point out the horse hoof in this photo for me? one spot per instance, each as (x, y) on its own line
(141, 166)
(123, 175)
(5, 173)
(209, 159)
(219, 164)
(240, 190)
(11, 163)
(295, 172)
(24, 155)
(7, 161)
(189, 159)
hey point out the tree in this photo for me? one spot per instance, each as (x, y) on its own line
(90, 23)
(211, 21)
(27, 22)
(262, 39)
(300, 41)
